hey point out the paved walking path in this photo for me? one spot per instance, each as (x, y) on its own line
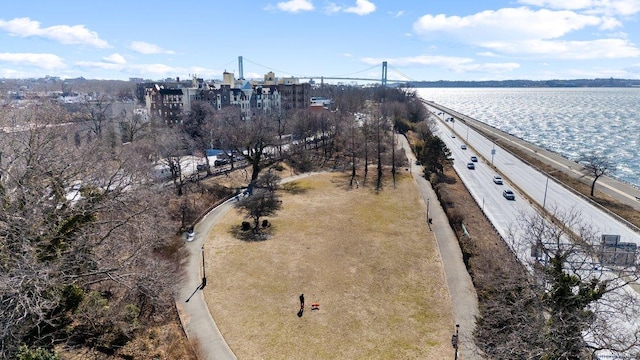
(196, 319)
(463, 295)
(200, 327)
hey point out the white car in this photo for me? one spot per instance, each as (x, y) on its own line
(191, 235)
(497, 179)
(509, 195)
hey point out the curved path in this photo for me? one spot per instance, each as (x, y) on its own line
(464, 299)
(201, 328)
(196, 319)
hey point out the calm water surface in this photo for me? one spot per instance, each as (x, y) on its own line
(568, 121)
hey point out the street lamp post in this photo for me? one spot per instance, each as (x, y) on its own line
(493, 152)
(204, 279)
(428, 216)
(204, 274)
(546, 186)
(544, 200)
(454, 342)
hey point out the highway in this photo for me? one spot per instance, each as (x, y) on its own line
(533, 189)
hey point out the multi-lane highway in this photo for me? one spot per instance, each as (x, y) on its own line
(533, 189)
(536, 191)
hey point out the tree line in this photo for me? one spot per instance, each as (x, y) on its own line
(90, 249)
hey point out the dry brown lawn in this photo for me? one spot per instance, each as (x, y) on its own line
(368, 258)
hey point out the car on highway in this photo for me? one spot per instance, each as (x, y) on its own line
(497, 179)
(453, 136)
(471, 166)
(463, 147)
(474, 159)
(509, 195)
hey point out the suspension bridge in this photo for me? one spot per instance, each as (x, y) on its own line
(349, 77)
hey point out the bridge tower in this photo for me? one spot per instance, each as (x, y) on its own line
(384, 73)
(240, 69)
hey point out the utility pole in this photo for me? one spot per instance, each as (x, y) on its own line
(204, 275)
(454, 342)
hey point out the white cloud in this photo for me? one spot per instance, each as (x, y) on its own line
(64, 34)
(147, 48)
(607, 7)
(147, 70)
(573, 50)
(525, 32)
(295, 6)
(332, 8)
(609, 23)
(508, 23)
(115, 59)
(363, 7)
(396, 14)
(44, 61)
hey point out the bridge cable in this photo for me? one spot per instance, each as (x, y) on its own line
(401, 73)
(270, 68)
(354, 73)
(230, 62)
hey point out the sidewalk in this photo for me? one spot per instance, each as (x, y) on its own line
(464, 300)
(196, 319)
(200, 327)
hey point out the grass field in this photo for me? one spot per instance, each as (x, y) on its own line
(368, 258)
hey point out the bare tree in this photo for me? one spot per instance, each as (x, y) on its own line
(134, 128)
(76, 226)
(199, 125)
(172, 146)
(96, 112)
(252, 138)
(576, 302)
(597, 165)
(263, 201)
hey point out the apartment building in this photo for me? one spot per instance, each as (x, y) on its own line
(171, 100)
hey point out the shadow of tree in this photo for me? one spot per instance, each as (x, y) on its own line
(293, 188)
(249, 235)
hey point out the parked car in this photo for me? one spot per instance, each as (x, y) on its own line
(220, 162)
(497, 179)
(191, 235)
(471, 166)
(463, 147)
(509, 195)
(474, 159)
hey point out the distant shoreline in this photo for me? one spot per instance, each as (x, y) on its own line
(576, 83)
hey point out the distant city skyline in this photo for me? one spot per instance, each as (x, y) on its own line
(420, 40)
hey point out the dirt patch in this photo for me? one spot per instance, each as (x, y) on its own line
(367, 258)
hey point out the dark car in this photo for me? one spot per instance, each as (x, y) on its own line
(220, 162)
(471, 166)
(474, 159)
(509, 195)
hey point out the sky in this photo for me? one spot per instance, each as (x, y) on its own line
(427, 40)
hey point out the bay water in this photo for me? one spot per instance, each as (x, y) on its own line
(572, 122)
